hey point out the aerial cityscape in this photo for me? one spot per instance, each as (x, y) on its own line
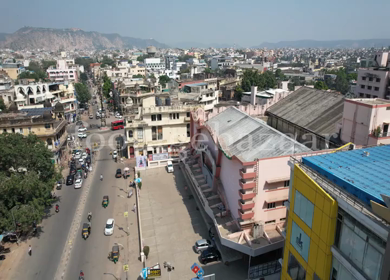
(158, 141)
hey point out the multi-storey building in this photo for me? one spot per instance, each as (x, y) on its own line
(154, 63)
(366, 121)
(63, 72)
(156, 128)
(47, 123)
(200, 93)
(338, 216)
(373, 82)
(7, 92)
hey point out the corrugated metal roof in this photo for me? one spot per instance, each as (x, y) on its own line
(36, 111)
(248, 138)
(196, 85)
(316, 110)
(364, 173)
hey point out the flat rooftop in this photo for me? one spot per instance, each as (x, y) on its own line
(363, 173)
(372, 101)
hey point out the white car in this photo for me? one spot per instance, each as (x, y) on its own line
(118, 117)
(114, 154)
(81, 129)
(84, 155)
(91, 116)
(77, 156)
(78, 183)
(81, 160)
(109, 229)
(69, 138)
(82, 135)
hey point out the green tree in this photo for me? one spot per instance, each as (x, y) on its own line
(108, 61)
(207, 70)
(47, 63)
(83, 77)
(142, 58)
(238, 93)
(138, 76)
(82, 92)
(84, 61)
(163, 80)
(27, 177)
(352, 77)
(2, 105)
(185, 57)
(107, 86)
(341, 83)
(254, 78)
(320, 85)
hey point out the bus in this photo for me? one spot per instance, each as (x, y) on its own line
(115, 125)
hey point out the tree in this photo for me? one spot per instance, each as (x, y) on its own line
(2, 105)
(142, 58)
(138, 76)
(107, 86)
(254, 78)
(108, 61)
(320, 85)
(207, 70)
(238, 93)
(47, 63)
(27, 177)
(163, 80)
(352, 77)
(185, 57)
(83, 77)
(84, 61)
(82, 92)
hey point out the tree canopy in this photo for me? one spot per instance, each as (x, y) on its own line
(163, 80)
(108, 61)
(84, 61)
(138, 76)
(184, 58)
(251, 77)
(82, 91)
(107, 86)
(27, 177)
(320, 85)
(83, 77)
(2, 105)
(141, 58)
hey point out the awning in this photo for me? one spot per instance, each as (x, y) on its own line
(276, 180)
(276, 199)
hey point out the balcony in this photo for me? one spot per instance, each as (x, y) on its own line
(245, 185)
(247, 175)
(246, 215)
(246, 195)
(187, 119)
(246, 205)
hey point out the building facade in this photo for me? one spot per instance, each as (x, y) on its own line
(7, 92)
(63, 72)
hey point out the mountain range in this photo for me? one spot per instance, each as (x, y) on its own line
(364, 43)
(70, 39)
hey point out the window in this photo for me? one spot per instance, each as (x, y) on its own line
(300, 241)
(270, 222)
(140, 133)
(188, 114)
(153, 118)
(295, 269)
(9, 99)
(271, 205)
(376, 88)
(21, 130)
(287, 183)
(177, 116)
(282, 219)
(5, 130)
(339, 272)
(369, 87)
(370, 79)
(362, 86)
(378, 80)
(159, 117)
(368, 95)
(188, 130)
(130, 134)
(154, 133)
(159, 133)
(170, 116)
(13, 130)
(47, 125)
(361, 95)
(387, 108)
(303, 208)
(363, 78)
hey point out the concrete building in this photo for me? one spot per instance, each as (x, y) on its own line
(221, 62)
(12, 69)
(200, 93)
(373, 82)
(63, 72)
(47, 123)
(366, 121)
(238, 169)
(338, 216)
(7, 91)
(157, 127)
(310, 116)
(138, 69)
(264, 96)
(154, 63)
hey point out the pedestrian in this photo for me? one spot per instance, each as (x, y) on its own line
(130, 194)
(134, 207)
(29, 250)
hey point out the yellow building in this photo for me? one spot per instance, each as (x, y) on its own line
(47, 123)
(312, 219)
(12, 72)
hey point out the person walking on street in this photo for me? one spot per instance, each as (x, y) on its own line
(134, 208)
(29, 250)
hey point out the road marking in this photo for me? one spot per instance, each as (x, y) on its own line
(126, 214)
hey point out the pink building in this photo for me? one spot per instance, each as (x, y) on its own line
(366, 121)
(239, 168)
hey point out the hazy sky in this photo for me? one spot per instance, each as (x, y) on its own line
(243, 22)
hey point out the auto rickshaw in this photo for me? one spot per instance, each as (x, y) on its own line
(86, 230)
(106, 200)
(114, 255)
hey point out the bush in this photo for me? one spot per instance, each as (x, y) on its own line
(146, 251)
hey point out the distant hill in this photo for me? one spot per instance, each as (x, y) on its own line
(365, 43)
(70, 39)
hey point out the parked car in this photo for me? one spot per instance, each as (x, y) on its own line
(109, 229)
(118, 173)
(202, 245)
(82, 135)
(78, 183)
(81, 129)
(84, 155)
(69, 180)
(91, 116)
(210, 255)
(88, 160)
(169, 166)
(114, 154)
(72, 171)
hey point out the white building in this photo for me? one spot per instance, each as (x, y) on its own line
(154, 63)
(200, 93)
(221, 62)
(158, 129)
(63, 72)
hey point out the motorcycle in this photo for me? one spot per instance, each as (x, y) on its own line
(57, 208)
(89, 217)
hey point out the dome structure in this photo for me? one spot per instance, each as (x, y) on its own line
(59, 108)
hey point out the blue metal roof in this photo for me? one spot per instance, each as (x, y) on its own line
(365, 173)
(196, 85)
(36, 111)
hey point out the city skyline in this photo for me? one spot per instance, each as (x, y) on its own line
(181, 23)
